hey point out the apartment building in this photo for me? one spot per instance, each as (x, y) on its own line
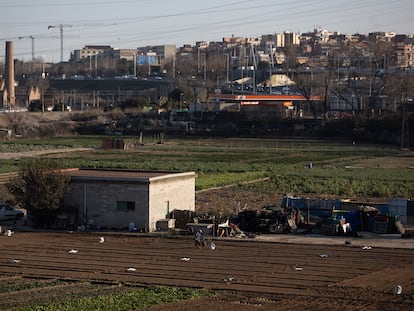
(164, 52)
(404, 53)
(89, 51)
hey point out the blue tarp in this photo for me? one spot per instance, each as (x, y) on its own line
(318, 207)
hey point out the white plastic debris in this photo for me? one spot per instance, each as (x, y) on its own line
(73, 251)
(398, 289)
(323, 255)
(229, 279)
(101, 239)
(131, 269)
(366, 247)
(15, 260)
(213, 246)
(185, 259)
(9, 233)
(296, 268)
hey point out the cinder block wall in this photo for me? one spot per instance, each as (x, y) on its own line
(101, 203)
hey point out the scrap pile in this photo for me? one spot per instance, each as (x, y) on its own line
(325, 216)
(312, 215)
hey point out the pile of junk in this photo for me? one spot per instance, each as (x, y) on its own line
(319, 216)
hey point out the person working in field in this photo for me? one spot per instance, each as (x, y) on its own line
(198, 237)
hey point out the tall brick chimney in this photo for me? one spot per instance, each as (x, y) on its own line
(9, 74)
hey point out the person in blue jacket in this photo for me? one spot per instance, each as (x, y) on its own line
(198, 238)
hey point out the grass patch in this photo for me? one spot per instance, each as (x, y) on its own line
(129, 300)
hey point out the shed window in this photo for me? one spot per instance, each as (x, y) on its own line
(125, 206)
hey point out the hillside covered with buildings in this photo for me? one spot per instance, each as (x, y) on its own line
(260, 83)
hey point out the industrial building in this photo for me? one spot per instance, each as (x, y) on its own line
(119, 199)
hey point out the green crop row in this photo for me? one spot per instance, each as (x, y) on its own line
(335, 185)
(221, 162)
(58, 142)
(130, 300)
(19, 284)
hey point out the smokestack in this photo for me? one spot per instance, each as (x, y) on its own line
(11, 99)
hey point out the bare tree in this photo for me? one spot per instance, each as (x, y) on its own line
(307, 85)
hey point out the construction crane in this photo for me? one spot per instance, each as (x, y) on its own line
(60, 26)
(30, 37)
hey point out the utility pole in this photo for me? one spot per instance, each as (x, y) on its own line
(227, 67)
(96, 65)
(405, 132)
(253, 54)
(405, 129)
(205, 66)
(271, 66)
(134, 62)
(174, 66)
(90, 66)
(198, 60)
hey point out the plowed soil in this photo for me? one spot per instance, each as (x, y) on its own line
(248, 274)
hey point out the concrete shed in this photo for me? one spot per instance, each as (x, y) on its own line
(119, 199)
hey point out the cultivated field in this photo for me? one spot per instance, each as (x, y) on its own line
(246, 274)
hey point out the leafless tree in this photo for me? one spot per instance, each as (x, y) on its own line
(307, 85)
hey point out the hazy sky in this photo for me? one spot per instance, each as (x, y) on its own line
(135, 23)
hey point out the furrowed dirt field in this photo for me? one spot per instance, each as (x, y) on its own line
(310, 273)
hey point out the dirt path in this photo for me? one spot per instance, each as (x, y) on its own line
(248, 274)
(27, 154)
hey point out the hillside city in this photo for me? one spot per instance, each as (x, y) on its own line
(315, 75)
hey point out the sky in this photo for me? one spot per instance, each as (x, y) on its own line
(137, 23)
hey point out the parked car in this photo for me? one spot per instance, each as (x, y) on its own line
(9, 213)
